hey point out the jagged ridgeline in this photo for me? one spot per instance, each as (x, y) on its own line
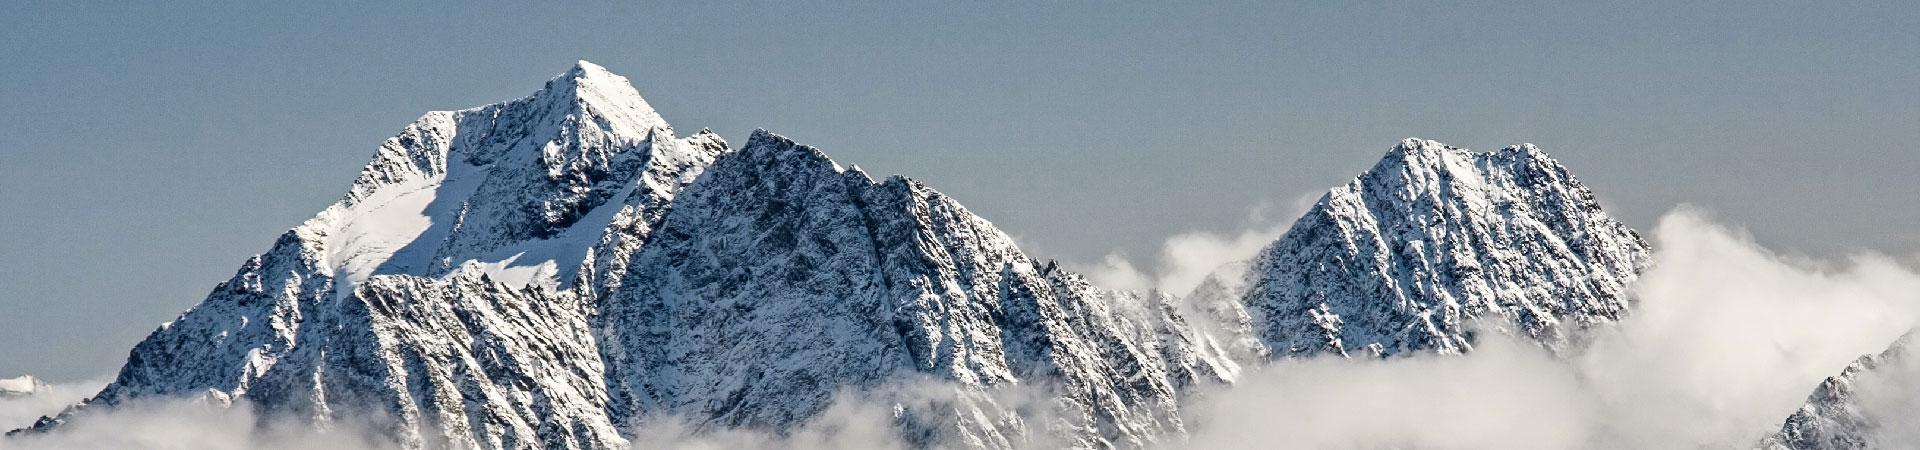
(1870, 404)
(1432, 239)
(554, 271)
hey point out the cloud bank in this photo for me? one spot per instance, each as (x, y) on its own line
(1726, 340)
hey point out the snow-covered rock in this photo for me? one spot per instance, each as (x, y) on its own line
(557, 270)
(21, 386)
(781, 277)
(447, 292)
(552, 271)
(1435, 240)
(1858, 408)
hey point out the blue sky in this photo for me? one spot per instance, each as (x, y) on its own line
(148, 149)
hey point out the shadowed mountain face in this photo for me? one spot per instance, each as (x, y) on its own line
(781, 277)
(553, 271)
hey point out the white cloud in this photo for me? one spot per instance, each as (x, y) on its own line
(1187, 258)
(1506, 396)
(1727, 339)
(175, 424)
(1117, 272)
(21, 411)
(1730, 337)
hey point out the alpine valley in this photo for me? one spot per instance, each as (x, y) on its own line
(558, 270)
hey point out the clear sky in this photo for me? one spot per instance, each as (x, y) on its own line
(146, 150)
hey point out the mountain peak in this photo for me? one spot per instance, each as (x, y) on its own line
(585, 66)
(1419, 148)
(585, 75)
(591, 89)
(21, 386)
(1420, 164)
(1415, 144)
(766, 145)
(1414, 155)
(1445, 235)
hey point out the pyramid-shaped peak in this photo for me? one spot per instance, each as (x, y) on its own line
(1408, 255)
(585, 74)
(585, 66)
(590, 88)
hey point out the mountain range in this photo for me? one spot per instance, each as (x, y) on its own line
(556, 270)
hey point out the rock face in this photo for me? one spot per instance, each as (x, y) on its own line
(1853, 410)
(781, 277)
(551, 271)
(1434, 239)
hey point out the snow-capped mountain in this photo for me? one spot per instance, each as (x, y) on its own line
(1434, 240)
(781, 277)
(550, 271)
(557, 270)
(1857, 409)
(429, 293)
(21, 386)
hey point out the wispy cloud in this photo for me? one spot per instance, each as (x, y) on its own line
(1187, 258)
(21, 411)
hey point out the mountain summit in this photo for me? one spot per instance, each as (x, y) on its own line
(1435, 238)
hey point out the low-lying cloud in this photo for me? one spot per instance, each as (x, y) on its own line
(180, 424)
(1187, 258)
(20, 411)
(1727, 339)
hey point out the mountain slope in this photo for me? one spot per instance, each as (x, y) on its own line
(554, 271)
(1434, 238)
(1857, 408)
(781, 277)
(427, 295)
(551, 271)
